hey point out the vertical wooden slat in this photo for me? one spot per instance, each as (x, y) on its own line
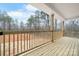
(24, 41)
(43, 37)
(27, 40)
(38, 37)
(9, 38)
(13, 44)
(0, 48)
(9, 44)
(4, 45)
(4, 39)
(33, 39)
(21, 41)
(63, 27)
(52, 36)
(17, 43)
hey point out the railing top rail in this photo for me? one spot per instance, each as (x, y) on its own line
(28, 31)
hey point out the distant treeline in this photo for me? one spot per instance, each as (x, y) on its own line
(39, 21)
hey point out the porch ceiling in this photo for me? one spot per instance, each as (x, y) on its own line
(66, 10)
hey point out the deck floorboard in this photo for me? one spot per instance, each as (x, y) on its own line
(65, 46)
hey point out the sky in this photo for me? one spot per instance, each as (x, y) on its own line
(10, 7)
(18, 11)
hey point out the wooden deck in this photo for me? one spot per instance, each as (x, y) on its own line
(65, 46)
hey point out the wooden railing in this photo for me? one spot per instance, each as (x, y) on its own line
(17, 42)
(72, 34)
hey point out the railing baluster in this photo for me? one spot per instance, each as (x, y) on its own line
(27, 40)
(13, 44)
(0, 46)
(4, 39)
(4, 45)
(17, 44)
(24, 41)
(33, 39)
(9, 37)
(21, 41)
(9, 44)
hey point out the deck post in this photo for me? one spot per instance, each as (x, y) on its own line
(52, 27)
(63, 27)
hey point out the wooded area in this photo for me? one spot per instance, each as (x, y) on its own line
(39, 21)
